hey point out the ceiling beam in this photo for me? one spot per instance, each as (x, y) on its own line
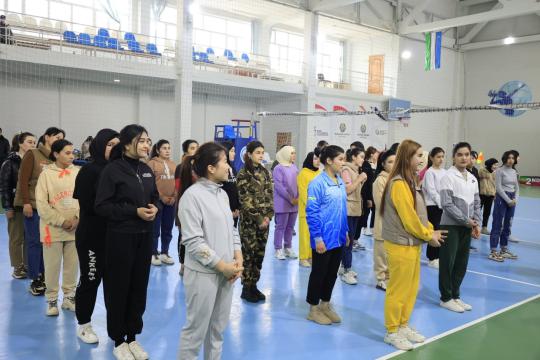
(372, 8)
(417, 10)
(497, 43)
(477, 28)
(473, 2)
(323, 5)
(509, 11)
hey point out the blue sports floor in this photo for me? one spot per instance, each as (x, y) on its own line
(277, 329)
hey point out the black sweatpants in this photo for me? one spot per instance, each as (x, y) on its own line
(487, 202)
(323, 275)
(127, 269)
(434, 216)
(453, 261)
(91, 254)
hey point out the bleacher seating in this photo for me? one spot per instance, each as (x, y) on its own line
(70, 36)
(245, 57)
(45, 24)
(100, 41)
(104, 33)
(112, 43)
(229, 55)
(13, 19)
(60, 26)
(152, 49)
(129, 37)
(30, 21)
(134, 46)
(84, 39)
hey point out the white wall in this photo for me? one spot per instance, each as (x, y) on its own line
(490, 131)
(436, 88)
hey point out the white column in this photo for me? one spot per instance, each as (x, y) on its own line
(146, 17)
(184, 72)
(134, 17)
(311, 28)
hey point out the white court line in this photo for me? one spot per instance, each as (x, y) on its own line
(464, 326)
(526, 219)
(495, 276)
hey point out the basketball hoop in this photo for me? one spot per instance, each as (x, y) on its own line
(404, 121)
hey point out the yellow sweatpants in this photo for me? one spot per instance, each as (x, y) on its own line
(304, 242)
(60, 256)
(402, 288)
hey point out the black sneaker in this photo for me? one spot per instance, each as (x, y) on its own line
(41, 282)
(259, 294)
(36, 288)
(249, 295)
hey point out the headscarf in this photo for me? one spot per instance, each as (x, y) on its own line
(283, 156)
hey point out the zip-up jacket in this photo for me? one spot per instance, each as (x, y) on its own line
(208, 231)
(122, 189)
(9, 174)
(326, 212)
(460, 198)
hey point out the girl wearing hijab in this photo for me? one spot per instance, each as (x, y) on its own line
(310, 170)
(91, 232)
(285, 202)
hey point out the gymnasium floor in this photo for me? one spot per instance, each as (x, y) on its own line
(504, 323)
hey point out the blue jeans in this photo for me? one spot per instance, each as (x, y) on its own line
(346, 260)
(163, 225)
(502, 221)
(34, 248)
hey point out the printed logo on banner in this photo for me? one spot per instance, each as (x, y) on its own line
(381, 132)
(363, 128)
(319, 132)
(342, 131)
(363, 132)
(242, 153)
(342, 127)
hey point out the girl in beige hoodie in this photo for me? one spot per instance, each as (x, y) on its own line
(385, 165)
(59, 217)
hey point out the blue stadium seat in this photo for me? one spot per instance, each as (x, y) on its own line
(104, 33)
(100, 41)
(70, 36)
(210, 51)
(113, 44)
(229, 55)
(85, 39)
(134, 46)
(152, 49)
(245, 57)
(129, 37)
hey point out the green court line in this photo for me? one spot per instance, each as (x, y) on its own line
(512, 335)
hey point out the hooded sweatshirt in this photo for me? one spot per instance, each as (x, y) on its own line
(164, 173)
(349, 173)
(55, 202)
(92, 227)
(32, 164)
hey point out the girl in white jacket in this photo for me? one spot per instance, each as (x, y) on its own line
(59, 217)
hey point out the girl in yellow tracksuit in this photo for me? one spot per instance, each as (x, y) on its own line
(310, 170)
(405, 228)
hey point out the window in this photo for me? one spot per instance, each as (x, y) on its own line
(82, 12)
(221, 33)
(286, 52)
(330, 59)
(37, 8)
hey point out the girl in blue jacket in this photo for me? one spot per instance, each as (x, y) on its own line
(326, 213)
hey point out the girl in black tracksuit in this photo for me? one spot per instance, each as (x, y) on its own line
(230, 185)
(91, 232)
(127, 196)
(367, 195)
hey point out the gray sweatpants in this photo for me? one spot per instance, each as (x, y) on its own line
(208, 306)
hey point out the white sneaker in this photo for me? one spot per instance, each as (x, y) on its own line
(349, 278)
(411, 334)
(398, 341)
(290, 254)
(368, 232)
(433, 263)
(87, 334)
(354, 273)
(137, 351)
(465, 306)
(166, 259)
(341, 270)
(381, 285)
(452, 306)
(68, 303)
(122, 352)
(305, 263)
(155, 260)
(280, 255)
(52, 308)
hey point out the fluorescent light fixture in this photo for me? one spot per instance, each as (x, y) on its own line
(406, 55)
(116, 80)
(509, 40)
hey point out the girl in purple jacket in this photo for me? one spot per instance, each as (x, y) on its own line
(285, 201)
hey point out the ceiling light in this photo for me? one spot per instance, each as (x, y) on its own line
(116, 80)
(509, 40)
(406, 54)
